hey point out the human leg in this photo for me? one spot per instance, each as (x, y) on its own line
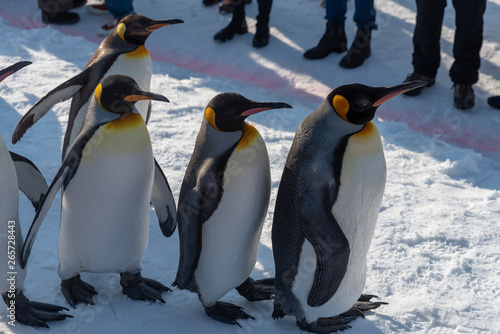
(237, 25)
(120, 8)
(426, 49)
(334, 39)
(261, 37)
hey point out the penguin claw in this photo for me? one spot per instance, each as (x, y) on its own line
(331, 324)
(257, 290)
(156, 285)
(36, 314)
(364, 303)
(227, 313)
(75, 291)
(136, 287)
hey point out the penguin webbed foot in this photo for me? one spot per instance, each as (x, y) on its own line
(331, 324)
(255, 290)
(226, 312)
(364, 303)
(75, 290)
(139, 288)
(36, 314)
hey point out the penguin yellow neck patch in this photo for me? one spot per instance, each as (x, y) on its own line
(125, 122)
(367, 131)
(250, 134)
(120, 30)
(341, 106)
(140, 52)
(365, 142)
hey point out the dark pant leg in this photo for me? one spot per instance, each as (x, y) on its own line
(468, 40)
(238, 12)
(264, 11)
(364, 16)
(426, 50)
(336, 10)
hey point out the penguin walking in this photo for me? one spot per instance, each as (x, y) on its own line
(19, 173)
(107, 179)
(326, 209)
(222, 206)
(122, 52)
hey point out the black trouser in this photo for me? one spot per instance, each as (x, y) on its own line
(264, 11)
(467, 44)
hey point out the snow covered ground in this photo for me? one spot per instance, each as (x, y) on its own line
(435, 257)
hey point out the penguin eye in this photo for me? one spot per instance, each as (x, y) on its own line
(363, 103)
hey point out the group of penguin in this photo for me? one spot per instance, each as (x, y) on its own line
(326, 208)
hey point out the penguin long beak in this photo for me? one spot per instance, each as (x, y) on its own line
(12, 69)
(390, 92)
(157, 24)
(142, 95)
(257, 107)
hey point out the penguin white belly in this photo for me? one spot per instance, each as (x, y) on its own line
(230, 237)
(11, 239)
(105, 206)
(362, 184)
(136, 65)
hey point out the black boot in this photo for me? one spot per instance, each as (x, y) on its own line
(238, 24)
(360, 49)
(232, 29)
(61, 18)
(334, 40)
(261, 37)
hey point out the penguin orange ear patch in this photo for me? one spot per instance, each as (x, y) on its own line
(120, 30)
(97, 94)
(210, 116)
(341, 106)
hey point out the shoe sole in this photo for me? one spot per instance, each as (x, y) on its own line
(339, 50)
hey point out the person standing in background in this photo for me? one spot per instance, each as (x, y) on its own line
(335, 40)
(238, 24)
(466, 47)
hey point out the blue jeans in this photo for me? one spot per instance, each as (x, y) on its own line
(120, 8)
(364, 16)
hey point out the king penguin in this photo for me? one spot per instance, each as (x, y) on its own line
(17, 172)
(327, 207)
(107, 179)
(122, 52)
(222, 206)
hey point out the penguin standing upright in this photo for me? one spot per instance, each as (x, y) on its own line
(122, 52)
(326, 209)
(17, 172)
(222, 206)
(107, 179)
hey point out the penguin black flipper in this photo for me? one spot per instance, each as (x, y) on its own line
(63, 92)
(163, 202)
(63, 176)
(200, 195)
(30, 181)
(330, 245)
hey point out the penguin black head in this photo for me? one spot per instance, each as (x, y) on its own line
(12, 69)
(136, 29)
(119, 93)
(357, 103)
(228, 111)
